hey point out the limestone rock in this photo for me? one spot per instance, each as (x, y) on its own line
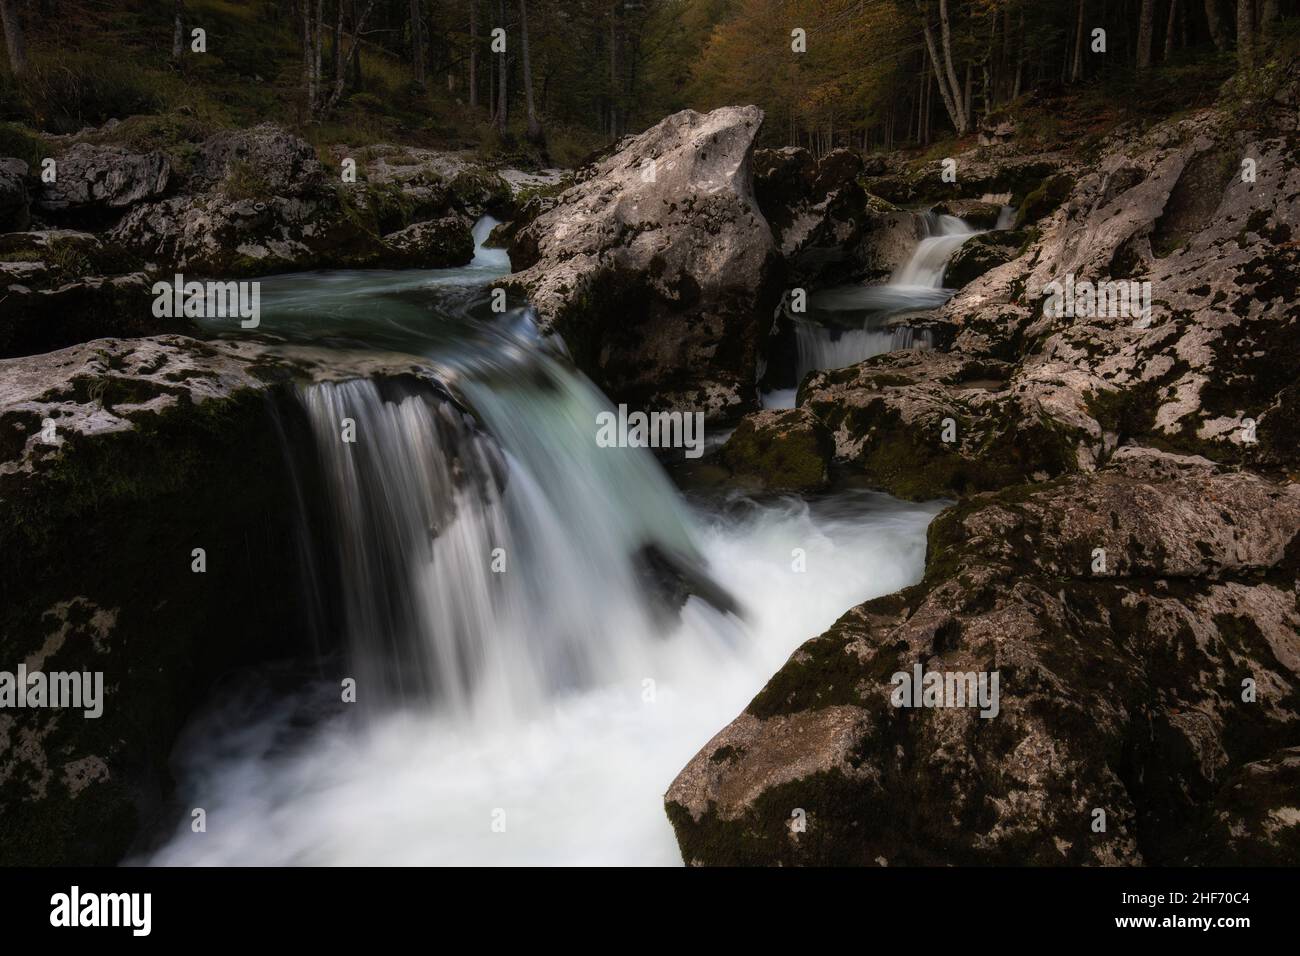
(658, 268)
(1119, 690)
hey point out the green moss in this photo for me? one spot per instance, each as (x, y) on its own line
(1045, 199)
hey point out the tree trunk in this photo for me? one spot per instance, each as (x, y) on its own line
(356, 60)
(308, 86)
(534, 127)
(1269, 12)
(944, 91)
(963, 108)
(1076, 74)
(318, 41)
(358, 27)
(417, 44)
(338, 39)
(178, 32)
(1169, 28)
(613, 72)
(502, 101)
(969, 95)
(1214, 20)
(473, 54)
(1245, 33)
(1146, 30)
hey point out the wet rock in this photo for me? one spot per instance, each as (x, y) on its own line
(658, 268)
(977, 213)
(34, 320)
(925, 424)
(211, 234)
(978, 173)
(1120, 690)
(822, 219)
(779, 450)
(979, 254)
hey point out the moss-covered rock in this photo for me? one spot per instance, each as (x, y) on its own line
(117, 460)
(779, 450)
(1044, 200)
(925, 424)
(1120, 689)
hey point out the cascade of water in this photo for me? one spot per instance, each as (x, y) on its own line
(493, 564)
(944, 236)
(917, 285)
(467, 561)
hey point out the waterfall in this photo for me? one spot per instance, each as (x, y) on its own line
(466, 553)
(849, 324)
(943, 237)
(541, 630)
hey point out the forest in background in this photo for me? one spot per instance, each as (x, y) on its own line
(577, 74)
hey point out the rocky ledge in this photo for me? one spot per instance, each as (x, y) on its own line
(1144, 624)
(117, 459)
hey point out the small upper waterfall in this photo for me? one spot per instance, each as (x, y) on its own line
(944, 236)
(849, 324)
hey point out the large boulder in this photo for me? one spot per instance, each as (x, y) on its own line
(1212, 369)
(41, 320)
(213, 234)
(98, 182)
(1147, 708)
(827, 227)
(658, 268)
(925, 424)
(276, 162)
(438, 244)
(260, 201)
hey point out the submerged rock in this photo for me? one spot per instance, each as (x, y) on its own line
(1124, 689)
(658, 268)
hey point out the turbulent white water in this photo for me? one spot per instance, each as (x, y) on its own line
(555, 697)
(581, 780)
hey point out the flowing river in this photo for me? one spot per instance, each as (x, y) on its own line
(526, 693)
